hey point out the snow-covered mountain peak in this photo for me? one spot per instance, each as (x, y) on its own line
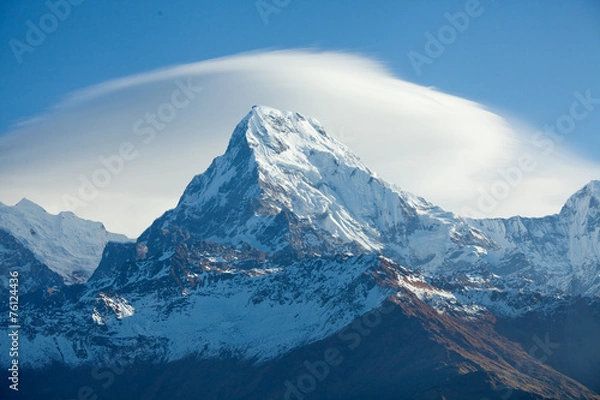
(284, 184)
(27, 204)
(68, 245)
(284, 240)
(584, 204)
(268, 116)
(560, 251)
(287, 139)
(282, 171)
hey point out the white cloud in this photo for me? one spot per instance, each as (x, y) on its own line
(439, 146)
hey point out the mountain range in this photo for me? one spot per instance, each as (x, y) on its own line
(290, 270)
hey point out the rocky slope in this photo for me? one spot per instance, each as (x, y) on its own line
(559, 252)
(286, 241)
(70, 246)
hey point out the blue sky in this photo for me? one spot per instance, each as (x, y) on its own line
(525, 57)
(523, 60)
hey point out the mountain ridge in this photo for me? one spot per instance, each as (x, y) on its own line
(66, 244)
(288, 239)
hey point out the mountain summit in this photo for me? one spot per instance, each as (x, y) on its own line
(281, 171)
(287, 247)
(585, 205)
(69, 246)
(285, 186)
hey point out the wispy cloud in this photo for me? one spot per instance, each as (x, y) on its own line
(440, 146)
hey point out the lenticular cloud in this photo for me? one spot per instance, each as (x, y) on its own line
(123, 151)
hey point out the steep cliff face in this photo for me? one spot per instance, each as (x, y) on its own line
(287, 240)
(284, 185)
(70, 246)
(33, 275)
(558, 252)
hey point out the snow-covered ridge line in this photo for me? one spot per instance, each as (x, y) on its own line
(557, 252)
(287, 237)
(283, 173)
(67, 244)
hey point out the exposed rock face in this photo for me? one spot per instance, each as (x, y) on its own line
(280, 249)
